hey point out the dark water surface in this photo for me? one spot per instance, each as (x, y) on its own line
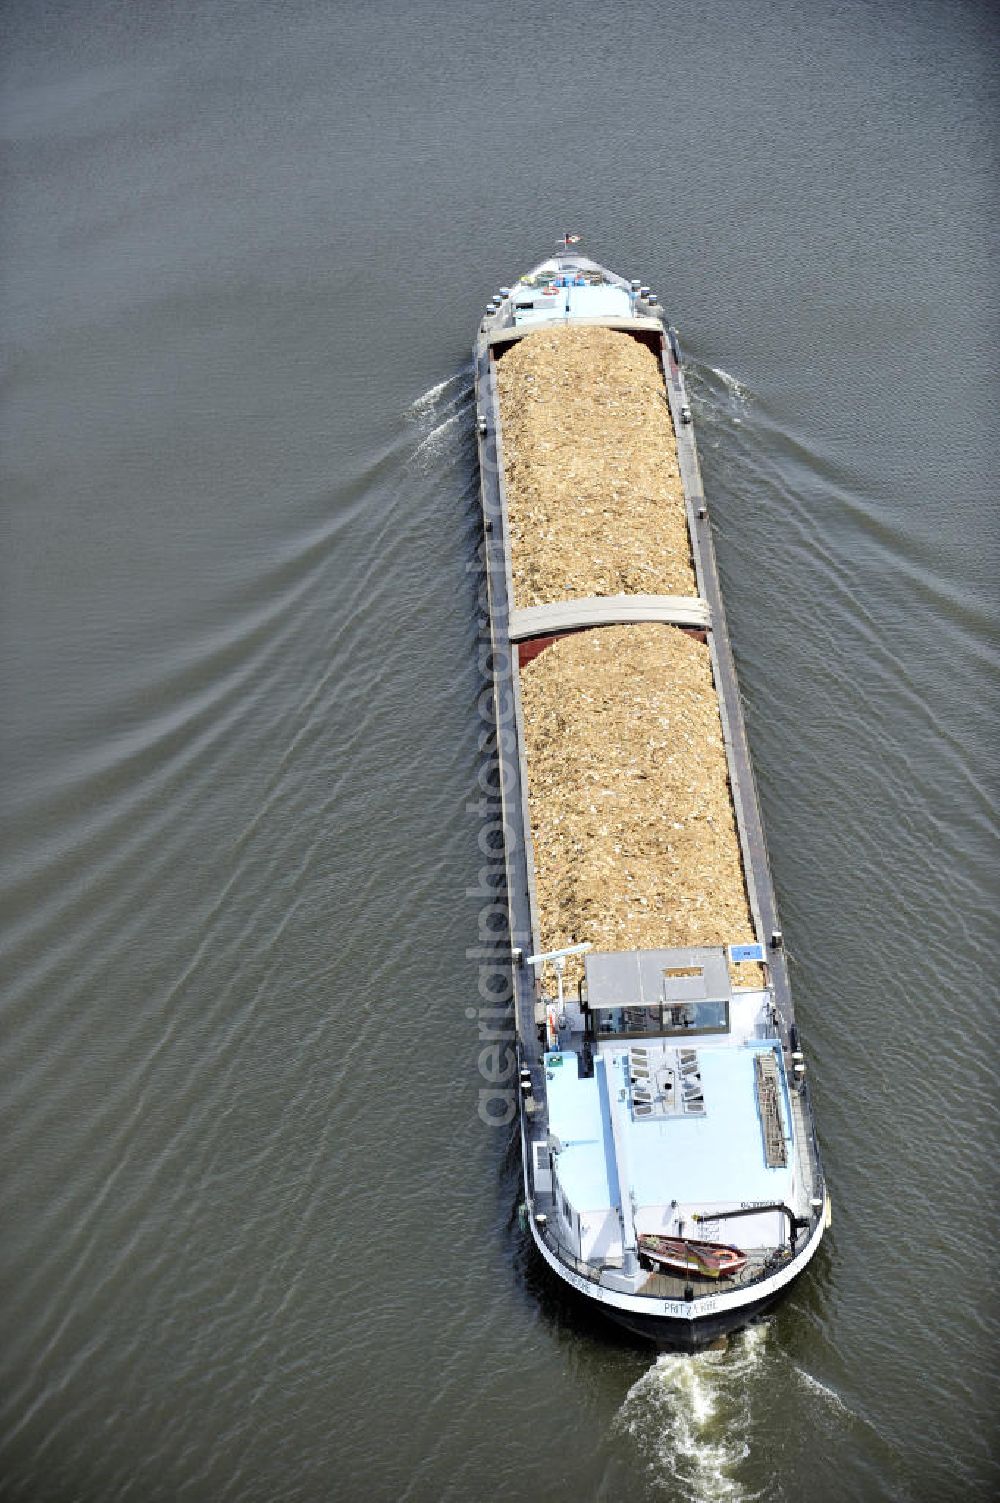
(256, 1244)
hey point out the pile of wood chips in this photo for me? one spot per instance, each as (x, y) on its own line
(594, 493)
(634, 832)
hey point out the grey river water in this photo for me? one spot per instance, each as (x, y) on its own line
(257, 1246)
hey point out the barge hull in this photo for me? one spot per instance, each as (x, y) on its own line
(673, 1323)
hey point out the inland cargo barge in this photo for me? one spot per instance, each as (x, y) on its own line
(671, 1168)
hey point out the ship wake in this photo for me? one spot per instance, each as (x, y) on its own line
(690, 1419)
(440, 414)
(438, 395)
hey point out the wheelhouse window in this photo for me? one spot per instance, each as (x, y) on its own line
(675, 1018)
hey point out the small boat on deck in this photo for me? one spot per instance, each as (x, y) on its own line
(707, 1260)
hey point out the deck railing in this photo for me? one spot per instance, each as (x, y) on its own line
(754, 1273)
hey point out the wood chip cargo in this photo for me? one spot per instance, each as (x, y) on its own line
(635, 844)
